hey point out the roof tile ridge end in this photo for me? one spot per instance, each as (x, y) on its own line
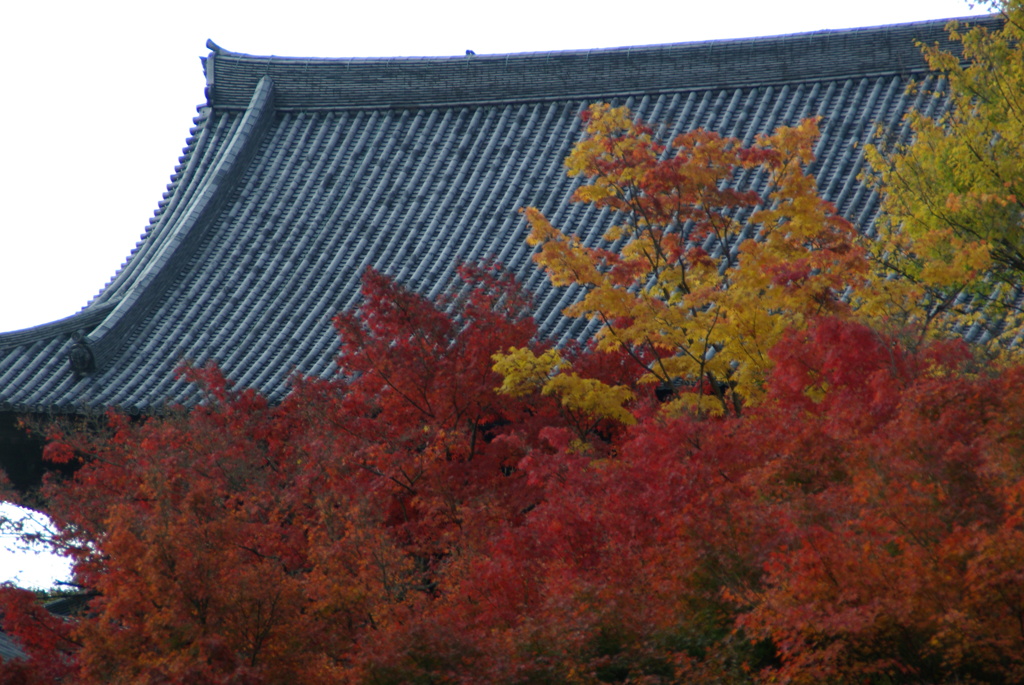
(216, 49)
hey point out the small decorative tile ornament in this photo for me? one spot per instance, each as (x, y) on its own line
(80, 356)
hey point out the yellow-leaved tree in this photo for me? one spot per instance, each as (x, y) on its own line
(951, 226)
(700, 279)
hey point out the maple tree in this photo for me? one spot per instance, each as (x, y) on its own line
(678, 311)
(952, 189)
(244, 542)
(876, 538)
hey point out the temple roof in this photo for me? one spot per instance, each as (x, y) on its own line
(301, 173)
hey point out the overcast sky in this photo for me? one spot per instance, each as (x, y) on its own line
(98, 98)
(19, 563)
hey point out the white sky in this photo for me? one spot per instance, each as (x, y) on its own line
(98, 96)
(25, 565)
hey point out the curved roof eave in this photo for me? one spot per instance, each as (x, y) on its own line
(101, 326)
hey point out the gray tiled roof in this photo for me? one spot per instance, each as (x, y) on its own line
(300, 173)
(9, 648)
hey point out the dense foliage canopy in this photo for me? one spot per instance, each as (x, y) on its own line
(776, 463)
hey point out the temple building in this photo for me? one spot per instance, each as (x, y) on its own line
(300, 174)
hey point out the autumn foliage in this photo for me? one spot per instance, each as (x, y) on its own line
(760, 471)
(953, 195)
(406, 523)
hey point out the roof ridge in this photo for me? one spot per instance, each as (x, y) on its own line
(360, 83)
(781, 37)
